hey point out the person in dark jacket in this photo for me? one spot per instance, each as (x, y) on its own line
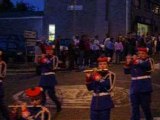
(140, 67)
(101, 82)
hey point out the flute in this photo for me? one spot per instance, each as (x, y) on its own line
(29, 106)
(94, 70)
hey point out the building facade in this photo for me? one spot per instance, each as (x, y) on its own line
(145, 16)
(20, 29)
(75, 17)
(92, 17)
(19, 22)
(98, 17)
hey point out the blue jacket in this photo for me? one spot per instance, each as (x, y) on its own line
(50, 79)
(33, 112)
(140, 76)
(103, 86)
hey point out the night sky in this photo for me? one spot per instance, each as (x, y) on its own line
(39, 4)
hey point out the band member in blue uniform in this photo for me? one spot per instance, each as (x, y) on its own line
(33, 109)
(140, 67)
(48, 79)
(101, 81)
(3, 108)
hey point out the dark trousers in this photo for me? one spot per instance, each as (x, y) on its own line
(52, 95)
(94, 55)
(142, 100)
(81, 57)
(118, 56)
(109, 52)
(71, 61)
(38, 70)
(87, 54)
(3, 108)
(100, 115)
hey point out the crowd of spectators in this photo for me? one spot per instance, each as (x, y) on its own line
(83, 51)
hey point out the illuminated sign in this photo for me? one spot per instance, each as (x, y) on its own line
(75, 7)
(30, 37)
(30, 34)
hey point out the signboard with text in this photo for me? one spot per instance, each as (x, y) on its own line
(30, 37)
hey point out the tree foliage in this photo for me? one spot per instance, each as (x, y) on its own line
(21, 6)
(7, 5)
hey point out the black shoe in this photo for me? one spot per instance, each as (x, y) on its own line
(59, 109)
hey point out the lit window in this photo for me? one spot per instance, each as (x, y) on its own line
(52, 29)
(142, 29)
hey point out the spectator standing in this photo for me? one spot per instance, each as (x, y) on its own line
(57, 46)
(118, 50)
(87, 51)
(158, 45)
(95, 49)
(106, 45)
(132, 44)
(76, 50)
(81, 51)
(110, 48)
(71, 55)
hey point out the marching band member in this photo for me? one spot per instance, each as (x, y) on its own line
(101, 82)
(3, 108)
(140, 67)
(33, 110)
(48, 64)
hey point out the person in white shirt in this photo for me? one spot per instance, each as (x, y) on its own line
(118, 46)
(76, 40)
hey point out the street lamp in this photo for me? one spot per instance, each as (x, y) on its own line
(127, 13)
